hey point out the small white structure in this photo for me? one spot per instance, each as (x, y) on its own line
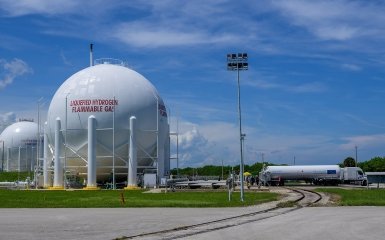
(108, 95)
(18, 146)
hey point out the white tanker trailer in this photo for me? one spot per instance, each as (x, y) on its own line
(316, 174)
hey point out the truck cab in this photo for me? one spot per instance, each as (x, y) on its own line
(354, 175)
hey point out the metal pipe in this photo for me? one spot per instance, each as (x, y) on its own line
(2, 157)
(65, 140)
(113, 148)
(157, 142)
(45, 158)
(18, 172)
(132, 157)
(18, 159)
(177, 148)
(58, 168)
(91, 174)
(91, 55)
(37, 164)
(8, 156)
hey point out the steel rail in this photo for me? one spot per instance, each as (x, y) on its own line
(210, 226)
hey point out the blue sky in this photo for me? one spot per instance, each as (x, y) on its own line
(314, 89)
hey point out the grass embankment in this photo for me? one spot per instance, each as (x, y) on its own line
(357, 197)
(112, 199)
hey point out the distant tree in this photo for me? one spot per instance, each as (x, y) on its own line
(376, 164)
(349, 162)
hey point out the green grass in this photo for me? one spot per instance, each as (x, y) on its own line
(14, 176)
(113, 199)
(358, 197)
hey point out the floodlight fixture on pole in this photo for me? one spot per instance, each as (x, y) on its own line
(238, 62)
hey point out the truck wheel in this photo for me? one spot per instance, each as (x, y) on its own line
(276, 184)
(281, 182)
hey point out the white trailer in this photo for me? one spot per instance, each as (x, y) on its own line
(316, 174)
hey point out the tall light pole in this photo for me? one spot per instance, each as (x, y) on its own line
(238, 62)
(356, 156)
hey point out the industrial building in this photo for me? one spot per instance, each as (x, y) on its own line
(107, 94)
(105, 124)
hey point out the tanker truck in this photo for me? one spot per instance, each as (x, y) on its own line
(315, 174)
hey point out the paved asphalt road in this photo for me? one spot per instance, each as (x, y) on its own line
(316, 223)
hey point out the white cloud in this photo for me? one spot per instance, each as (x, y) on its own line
(78, 14)
(64, 59)
(336, 32)
(334, 20)
(351, 67)
(262, 84)
(310, 87)
(191, 139)
(148, 35)
(212, 142)
(175, 23)
(6, 120)
(193, 148)
(203, 144)
(162, 24)
(363, 141)
(11, 70)
(362, 121)
(24, 7)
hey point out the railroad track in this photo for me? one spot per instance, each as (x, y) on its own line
(308, 197)
(304, 198)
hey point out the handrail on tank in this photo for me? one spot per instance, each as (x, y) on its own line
(112, 61)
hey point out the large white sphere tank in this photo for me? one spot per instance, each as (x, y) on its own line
(111, 93)
(20, 142)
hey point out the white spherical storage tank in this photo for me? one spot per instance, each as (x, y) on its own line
(20, 146)
(111, 94)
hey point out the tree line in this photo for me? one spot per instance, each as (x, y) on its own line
(212, 170)
(376, 164)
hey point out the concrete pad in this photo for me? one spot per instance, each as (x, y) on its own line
(101, 223)
(314, 223)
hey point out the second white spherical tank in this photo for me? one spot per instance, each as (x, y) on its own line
(112, 94)
(20, 146)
